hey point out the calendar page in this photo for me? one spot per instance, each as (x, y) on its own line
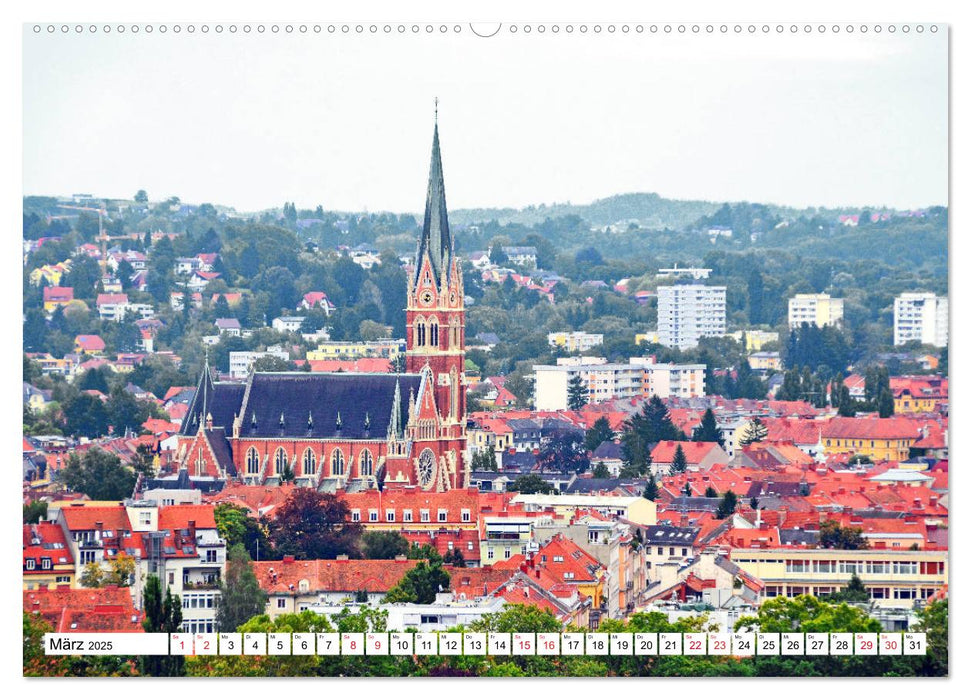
(424, 346)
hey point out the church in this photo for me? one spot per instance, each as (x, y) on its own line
(348, 430)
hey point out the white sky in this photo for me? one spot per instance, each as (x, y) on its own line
(345, 121)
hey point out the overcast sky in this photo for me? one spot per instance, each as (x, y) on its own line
(346, 121)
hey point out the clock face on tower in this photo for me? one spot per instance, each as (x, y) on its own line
(426, 297)
(426, 468)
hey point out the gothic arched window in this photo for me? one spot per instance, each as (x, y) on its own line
(433, 323)
(367, 463)
(279, 461)
(309, 462)
(420, 332)
(252, 461)
(337, 463)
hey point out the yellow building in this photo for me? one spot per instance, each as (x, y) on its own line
(50, 273)
(651, 338)
(878, 438)
(892, 578)
(755, 339)
(348, 350)
(47, 559)
(815, 309)
(504, 538)
(765, 361)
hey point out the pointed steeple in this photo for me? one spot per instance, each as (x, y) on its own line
(394, 426)
(435, 239)
(199, 407)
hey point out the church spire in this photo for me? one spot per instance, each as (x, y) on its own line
(436, 240)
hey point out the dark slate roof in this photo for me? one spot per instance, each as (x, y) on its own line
(795, 536)
(221, 449)
(491, 338)
(518, 459)
(669, 535)
(594, 485)
(697, 503)
(607, 450)
(183, 481)
(359, 399)
(436, 240)
(222, 400)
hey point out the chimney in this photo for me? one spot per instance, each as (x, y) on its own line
(99, 526)
(933, 500)
(288, 559)
(400, 557)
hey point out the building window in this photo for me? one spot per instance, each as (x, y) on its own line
(337, 463)
(280, 461)
(470, 546)
(367, 463)
(491, 554)
(309, 462)
(466, 515)
(30, 564)
(389, 515)
(144, 517)
(406, 515)
(281, 602)
(425, 515)
(372, 515)
(252, 461)
(442, 515)
(433, 332)
(355, 516)
(420, 331)
(508, 553)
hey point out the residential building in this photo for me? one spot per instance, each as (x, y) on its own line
(603, 381)
(670, 380)
(699, 456)
(632, 508)
(877, 438)
(688, 312)
(388, 348)
(765, 361)
(108, 609)
(46, 557)
(755, 339)
(294, 586)
(523, 256)
(55, 297)
(229, 326)
(241, 361)
(893, 578)
(287, 324)
(505, 537)
(575, 341)
(695, 273)
(815, 309)
(920, 317)
(112, 307)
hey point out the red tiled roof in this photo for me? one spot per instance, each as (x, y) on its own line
(372, 575)
(112, 299)
(90, 343)
(108, 609)
(50, 534)
(178, 517)
(694, 452)
(895, 428)
(58, 293)
(82, 517)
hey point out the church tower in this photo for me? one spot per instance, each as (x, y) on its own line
(436, 307)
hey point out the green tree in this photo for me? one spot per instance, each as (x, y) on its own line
(99, 475)
(313, 525)
(754, 431)
(577, 393)
(885, 403)
(530, 483)
(727, 505)
(237, 526)
(141, 197)
(377, 544)
(708, 430)
(710, 492)
(834, 536)
(601, 471)
(853, 592)
(163, 613)
(650, 490)
(679, 463)
(598, 433)
(420, 585)
(240, 596)
(35, 511)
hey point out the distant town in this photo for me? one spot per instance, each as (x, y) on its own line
(663, 417)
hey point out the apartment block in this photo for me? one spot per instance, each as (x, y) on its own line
(819, 309)
(922, 317)
(575, 341)
(688, 312)
(892, 578)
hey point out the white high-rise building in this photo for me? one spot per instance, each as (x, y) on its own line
(920, 316)
(687, 312)
(819, 309)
